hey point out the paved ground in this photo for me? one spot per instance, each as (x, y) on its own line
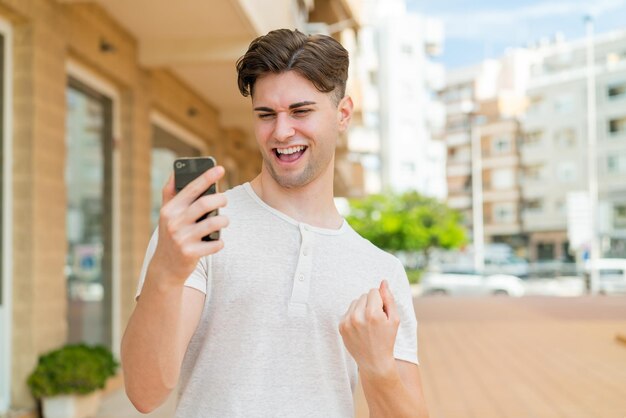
(532, 357)
(529, 357)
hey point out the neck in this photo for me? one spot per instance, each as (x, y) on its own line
(312, 203)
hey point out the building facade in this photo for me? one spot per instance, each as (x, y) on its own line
(529, 109)
(400, 114)
(98, 98)
(555, 150)
(483, 106)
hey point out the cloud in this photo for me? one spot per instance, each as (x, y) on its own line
(482, 24)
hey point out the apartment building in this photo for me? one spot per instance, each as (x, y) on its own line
(483, 104)
(400, 112)
(98, 97)
(554, 151)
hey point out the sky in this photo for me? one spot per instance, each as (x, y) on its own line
(485, 28)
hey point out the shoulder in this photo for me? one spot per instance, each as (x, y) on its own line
(371, 253)
(237, 199)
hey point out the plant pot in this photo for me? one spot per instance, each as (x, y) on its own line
(71, 406)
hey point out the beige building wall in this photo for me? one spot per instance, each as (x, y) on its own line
(47, 36)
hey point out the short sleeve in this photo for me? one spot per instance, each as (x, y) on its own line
(406, 340)
(197, 280)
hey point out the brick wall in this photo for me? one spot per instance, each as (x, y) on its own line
(46, 35)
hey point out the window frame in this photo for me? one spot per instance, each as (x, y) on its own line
(84, 75)
(6, 233)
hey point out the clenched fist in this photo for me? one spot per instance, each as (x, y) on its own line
(369, 329)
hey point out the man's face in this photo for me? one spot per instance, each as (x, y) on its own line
(296, 127)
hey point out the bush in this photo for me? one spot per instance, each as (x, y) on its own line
(414, 276)
(72, 369)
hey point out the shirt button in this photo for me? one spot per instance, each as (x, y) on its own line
(301, 277)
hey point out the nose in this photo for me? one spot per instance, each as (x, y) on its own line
(283, 128)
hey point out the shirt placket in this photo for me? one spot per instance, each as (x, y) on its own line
(298, 303)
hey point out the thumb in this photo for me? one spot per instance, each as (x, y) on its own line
(169, 191)
(389, 303)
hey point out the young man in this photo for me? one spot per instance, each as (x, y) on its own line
(279, 317)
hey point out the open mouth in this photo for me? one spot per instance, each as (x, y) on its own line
(290, 154)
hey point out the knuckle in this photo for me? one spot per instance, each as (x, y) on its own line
(355, 321)
(205, 204)
(179, 242)
(216, 246)
(220, 200)
(187, 253)
(170, 227)
(342, 327)
(164, 212)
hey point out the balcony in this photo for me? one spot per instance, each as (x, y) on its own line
(458, 138)
(460, 202)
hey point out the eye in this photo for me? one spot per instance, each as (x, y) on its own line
(302, 112)
(265, 116)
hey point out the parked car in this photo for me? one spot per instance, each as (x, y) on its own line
(470, 283)
(611, 275)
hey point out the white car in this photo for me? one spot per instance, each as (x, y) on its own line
(468, 283)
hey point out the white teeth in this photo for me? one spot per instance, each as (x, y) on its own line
(290, 150)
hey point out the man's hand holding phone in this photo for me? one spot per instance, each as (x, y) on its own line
(183, 224)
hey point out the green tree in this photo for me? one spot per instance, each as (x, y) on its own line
(407, 222)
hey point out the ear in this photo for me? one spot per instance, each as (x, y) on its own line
(344, 112)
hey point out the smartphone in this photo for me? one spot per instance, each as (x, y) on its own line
(188, 169)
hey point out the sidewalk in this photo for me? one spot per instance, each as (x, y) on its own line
(518, 358)
(495, 357)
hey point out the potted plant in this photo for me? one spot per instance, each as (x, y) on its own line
(69, 380)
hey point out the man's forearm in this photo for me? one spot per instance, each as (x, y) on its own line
(387, 396)
(154, 343)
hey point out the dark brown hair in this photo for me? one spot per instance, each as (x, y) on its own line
(318, 58)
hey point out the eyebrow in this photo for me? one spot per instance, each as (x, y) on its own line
(291, 106)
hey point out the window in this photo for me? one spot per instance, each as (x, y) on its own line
(533, 205)
(619, 216)
(408, 168)
(457, 123)
(533, 172)
(371, 118)
(565, 138)
(616, 91)
(89, 180)
(566, 172)
(533, 138)
(407, 49)
(616, 163)
(617, 126)
(504, 213)
(501, 145)
(545, 251)
(535, 104)
(373, 77)
(503, 178)
(564, 104)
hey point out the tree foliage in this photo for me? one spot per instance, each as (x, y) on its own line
(407, 222)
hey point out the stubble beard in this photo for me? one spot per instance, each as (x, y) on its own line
(312, 170)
